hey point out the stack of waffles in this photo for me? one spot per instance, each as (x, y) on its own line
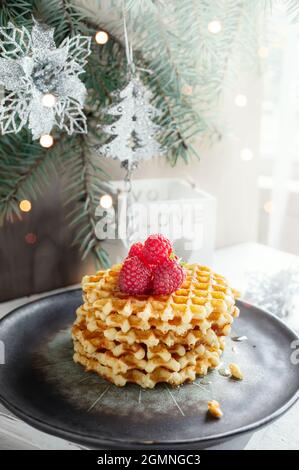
(148, 339)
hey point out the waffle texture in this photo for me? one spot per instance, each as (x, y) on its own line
(149, 339)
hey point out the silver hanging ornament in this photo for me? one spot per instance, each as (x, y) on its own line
(133, 133)
(43, 80)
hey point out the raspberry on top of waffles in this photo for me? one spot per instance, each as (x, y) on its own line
(151, 268)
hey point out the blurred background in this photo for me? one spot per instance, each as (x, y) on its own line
(252, 169)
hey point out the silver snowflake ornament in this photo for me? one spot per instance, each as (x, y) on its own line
(43, 80)
(276, 292)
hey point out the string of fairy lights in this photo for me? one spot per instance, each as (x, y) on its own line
(101, 38)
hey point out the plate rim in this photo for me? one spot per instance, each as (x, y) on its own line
(85, 439)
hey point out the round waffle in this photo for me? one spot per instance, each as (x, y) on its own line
(151, 339)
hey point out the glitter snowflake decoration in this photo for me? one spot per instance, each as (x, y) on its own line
(277, 292)
(42, 80)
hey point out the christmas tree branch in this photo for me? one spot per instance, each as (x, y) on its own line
(24, 171)
(15, 11)
(82, 193)
(68, 17)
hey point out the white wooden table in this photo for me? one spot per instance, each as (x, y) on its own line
(233, 262)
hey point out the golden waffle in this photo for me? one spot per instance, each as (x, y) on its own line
(121, 356)
(121, 374)
(151, 339)
(136, 376)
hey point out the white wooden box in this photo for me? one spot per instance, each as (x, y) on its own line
(176, 208)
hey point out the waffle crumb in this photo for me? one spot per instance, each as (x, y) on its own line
(236, 371)
(214, 409)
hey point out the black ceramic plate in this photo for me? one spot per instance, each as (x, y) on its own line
(43, 386)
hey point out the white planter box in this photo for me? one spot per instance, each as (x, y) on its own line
(186, 214)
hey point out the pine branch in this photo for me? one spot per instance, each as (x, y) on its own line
(292, 8)
(174, 66)
(62, 15)
(25, 169)
(82, 195)
(68, 17)
(16, 11)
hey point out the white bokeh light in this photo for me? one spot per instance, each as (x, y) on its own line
(214, 27)
(46, 141)
(241, 100)
(246, 154)
(268, 207)
(101, 37)
(49, 100)
(106, 201)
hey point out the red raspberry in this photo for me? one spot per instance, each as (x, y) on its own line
(157, 249)
(168, 277)
(134, 277)
(136, 250)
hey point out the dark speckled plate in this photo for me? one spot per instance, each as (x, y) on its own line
(40, 383)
